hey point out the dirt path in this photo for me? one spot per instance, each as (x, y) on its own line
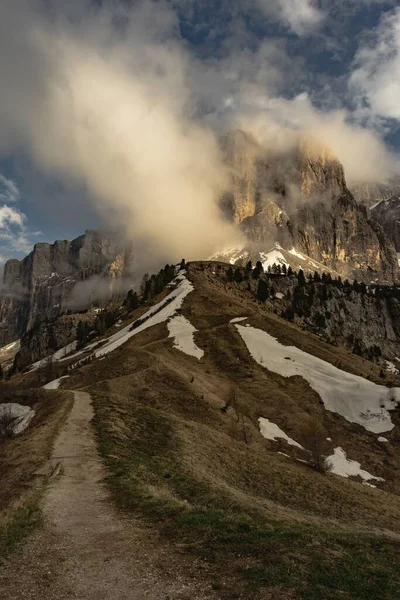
(88, 551)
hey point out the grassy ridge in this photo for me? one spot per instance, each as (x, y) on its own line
(246, 549)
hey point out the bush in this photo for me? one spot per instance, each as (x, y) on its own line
(313, 438)
(6, 424)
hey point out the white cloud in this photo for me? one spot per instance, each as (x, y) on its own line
(9, 191)
(301, 16)
(10, 216)
(14, 237)
(278, 122)
(375, 80)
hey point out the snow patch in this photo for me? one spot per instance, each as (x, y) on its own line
(354, 398)
(233, 254)
(159, 313)
(391, 367)
(271, 431)
(343, 466)
(22, 415)
(382, 439)
(273, 257)
(55, 384)
(279, 295)
(183, 333)
(12, 346)
(57, 356)
(297, 254)
(237, 319)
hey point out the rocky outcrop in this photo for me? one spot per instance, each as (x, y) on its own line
(363, 319)
(370, 194)
(300, 199)
(41, 286)
(387, 214)
(48, 337)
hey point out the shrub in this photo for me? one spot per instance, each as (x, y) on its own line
(6, 424)
(313, 438)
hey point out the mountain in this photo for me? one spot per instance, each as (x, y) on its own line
(300, 200)
(387, 214)
(370, 194)
(265, 456)
(45, 284)
(294, 208)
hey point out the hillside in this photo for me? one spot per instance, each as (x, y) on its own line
(207, 413)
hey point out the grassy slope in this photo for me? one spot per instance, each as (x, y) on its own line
(269, 526)
(20, 458)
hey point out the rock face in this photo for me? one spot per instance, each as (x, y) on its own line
(300, 199)
(361, 319)
(42, 286)
(370, 194)
(49, 336)
(387, 214)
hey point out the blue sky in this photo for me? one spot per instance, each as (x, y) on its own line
(331, 67)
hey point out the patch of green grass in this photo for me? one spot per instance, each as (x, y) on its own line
(147, 475)
(23, 522)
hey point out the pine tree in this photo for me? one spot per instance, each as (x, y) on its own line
(229, 273)
(132, 301)
(238, 276)
(144, 286)
(249, 266)
(284, 270)
(300, 277)
(259, 266)
(290, 271)
(80, 332)
(182, 266)
(262, 290)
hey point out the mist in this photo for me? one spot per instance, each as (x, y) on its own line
(105, 105)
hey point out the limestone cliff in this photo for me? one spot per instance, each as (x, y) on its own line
(371, 193)
(387, 214)
(39, 288)
(300, 198)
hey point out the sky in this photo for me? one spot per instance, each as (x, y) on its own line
(110, 112)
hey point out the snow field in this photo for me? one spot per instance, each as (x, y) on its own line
(22, 415)
(55, 384)
(354, 398)
(343, 466)
(183, 333)
(272, 432)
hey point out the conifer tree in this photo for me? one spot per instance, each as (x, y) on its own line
(238, 276)
(262, 290)
(300, 277)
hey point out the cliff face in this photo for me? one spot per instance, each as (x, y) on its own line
(370, 194)
(387, 214)
(39, 287)
(301, 200)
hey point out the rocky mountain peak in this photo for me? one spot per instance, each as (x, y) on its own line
(300, 199)
(321, 173)
(39, 287)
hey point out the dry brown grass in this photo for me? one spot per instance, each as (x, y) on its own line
(21, 456)
(182, 435)
(224, 447)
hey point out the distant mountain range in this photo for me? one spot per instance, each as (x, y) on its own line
(296, 205)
